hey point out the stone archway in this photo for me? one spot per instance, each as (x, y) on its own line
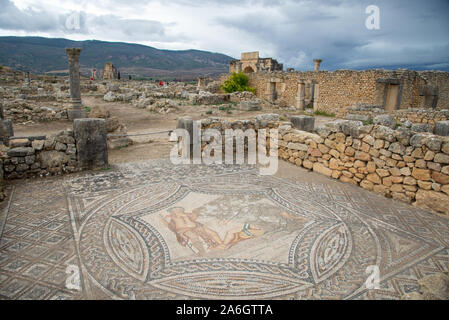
(248, 69)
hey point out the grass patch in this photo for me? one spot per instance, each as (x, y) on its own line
(367, 122)
(209, 112)
(324, 114)
(88, 109)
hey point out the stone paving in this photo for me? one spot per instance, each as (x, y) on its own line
(157, 231)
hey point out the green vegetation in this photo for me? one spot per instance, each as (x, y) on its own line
(324, 114)
(237, 82)
(228, 108)
(209, 112)
(88, 109)
(367, 122)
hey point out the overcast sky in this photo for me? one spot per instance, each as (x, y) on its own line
(412, 33)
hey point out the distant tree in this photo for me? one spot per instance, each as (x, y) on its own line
(237, 82)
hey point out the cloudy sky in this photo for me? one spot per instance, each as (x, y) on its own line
(412, 33)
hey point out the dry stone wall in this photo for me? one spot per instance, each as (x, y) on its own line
(402, 164)
(41, 156)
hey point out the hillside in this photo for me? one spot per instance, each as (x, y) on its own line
(41, 55)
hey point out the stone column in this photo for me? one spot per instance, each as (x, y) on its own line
(316, 96)
(26, 79)
(76, 112)
(301, 95)
(317, 64)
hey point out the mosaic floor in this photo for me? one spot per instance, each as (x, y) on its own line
(155, 231)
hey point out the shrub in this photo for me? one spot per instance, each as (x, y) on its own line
(237, 82)
(324, 114)
(88, 109)
(209, 112)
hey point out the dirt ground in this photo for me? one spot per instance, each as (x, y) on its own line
(140, 121)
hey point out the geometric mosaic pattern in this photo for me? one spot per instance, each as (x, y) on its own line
(157, 231)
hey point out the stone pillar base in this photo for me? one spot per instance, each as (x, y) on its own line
(73, 114)
(300, 103)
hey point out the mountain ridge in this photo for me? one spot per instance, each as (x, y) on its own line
(46, 55)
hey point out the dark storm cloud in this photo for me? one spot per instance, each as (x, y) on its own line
(412, 33)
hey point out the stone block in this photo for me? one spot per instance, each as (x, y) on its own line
(304, 123)
(250, 105)
(52, 159)
(20, 152)
(6, 131)
(91, 142)
(385, 120)
(442, 128)
(15, 143)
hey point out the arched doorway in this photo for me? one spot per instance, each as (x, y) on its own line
(248, 69)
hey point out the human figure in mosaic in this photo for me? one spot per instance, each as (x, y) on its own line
(189, 232)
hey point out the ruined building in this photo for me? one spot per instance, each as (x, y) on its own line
(110, 72)
(251, 62)
(334, 92)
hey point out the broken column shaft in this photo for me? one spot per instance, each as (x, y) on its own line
(76, 111)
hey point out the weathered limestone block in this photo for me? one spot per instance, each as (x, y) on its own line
(441, 158)
(298, 146)
(384, 133)
(352, 128)
(250, 105)
(420, 127)
(15, 143)
(397, 147)
(432, 200)
(20, 152)
(110, 97)
(320, 168)
(441, 128)
(304, 123)
(91, 142)
(38, 145)
(52, 159)
(385, 120)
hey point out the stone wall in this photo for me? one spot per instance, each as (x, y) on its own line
(401, 164)
(84, 147)
(414, 115)
(404, 165)
(335, 91)
(41, 156)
